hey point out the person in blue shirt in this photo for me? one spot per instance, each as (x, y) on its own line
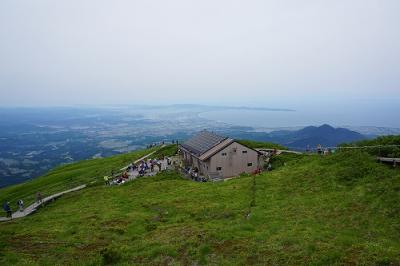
(7, 209)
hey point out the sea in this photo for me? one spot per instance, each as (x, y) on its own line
(356, 114)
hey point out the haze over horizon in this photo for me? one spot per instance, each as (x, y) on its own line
(282, 54)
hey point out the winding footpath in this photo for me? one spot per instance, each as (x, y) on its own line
(141, 159)
(265, 150)
(33, 207)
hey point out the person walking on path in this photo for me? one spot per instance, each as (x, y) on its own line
(39, 198)
(20, 204)
(151, 165)
(319, 149)
(7, 209)
(106, 180)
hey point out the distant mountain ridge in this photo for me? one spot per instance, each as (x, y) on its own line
(325, 135)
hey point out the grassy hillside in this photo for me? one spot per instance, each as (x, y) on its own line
(385, 146)
(339, 209)
(69, 176)
(168, 150)
(261, 144)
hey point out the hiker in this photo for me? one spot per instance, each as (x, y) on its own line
(319, 149)
(106, 180)
(125, 175)
(142, 167)
(133, 166)
(20, 204)
(269, 168)
(7, 209)
(141, 170)
(120, 180)
(39, 198)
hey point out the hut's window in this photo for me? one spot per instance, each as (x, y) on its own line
(223, 154)
(219, 168)
(244, 151)
(250, 164)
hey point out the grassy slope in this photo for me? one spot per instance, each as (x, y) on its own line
(261, 144)
(168, 150)
(380, 151)
(342, 209)
(68, 176)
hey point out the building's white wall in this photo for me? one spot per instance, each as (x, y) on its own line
(235, 162)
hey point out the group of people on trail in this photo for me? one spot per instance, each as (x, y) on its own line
(20, 205)
(320, 150)
(119, 180)
(143, 167)
(195, 175)
(8, 210)
(326, 151)
(155, 144)
(123, 177)
(148, 165)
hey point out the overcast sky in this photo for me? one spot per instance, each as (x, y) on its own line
(226, 51)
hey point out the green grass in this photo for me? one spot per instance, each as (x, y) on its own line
(385, 150)
(260, 144)
(168, 150)
(69, 176)
(284, 159)
(342, 209)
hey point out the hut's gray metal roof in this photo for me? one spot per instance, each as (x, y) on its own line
(202, 142)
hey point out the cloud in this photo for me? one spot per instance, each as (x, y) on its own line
(72, 52)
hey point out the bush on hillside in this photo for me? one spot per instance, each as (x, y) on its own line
(353, 165)
(278, 161)
(168, 175)
(388, 151)
(260, 144)
(169, 150)
(110, 256)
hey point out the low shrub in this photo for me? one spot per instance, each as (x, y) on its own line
(110, 256)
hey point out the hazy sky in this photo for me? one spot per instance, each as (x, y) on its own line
(225, 51)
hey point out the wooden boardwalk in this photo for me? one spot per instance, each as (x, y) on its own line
(141, 159)
(264, 150)
(33, 207)
(395, 161)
